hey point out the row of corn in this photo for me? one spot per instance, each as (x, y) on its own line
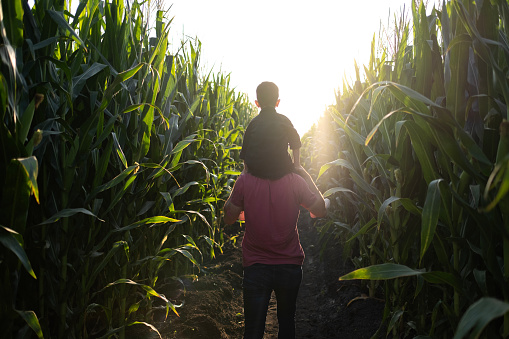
(115, 159)
(416, 158)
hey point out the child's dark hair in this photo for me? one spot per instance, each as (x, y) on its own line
(267, 94)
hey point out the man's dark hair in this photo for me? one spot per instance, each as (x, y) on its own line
(267, 94)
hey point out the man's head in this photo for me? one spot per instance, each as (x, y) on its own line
(267, 95)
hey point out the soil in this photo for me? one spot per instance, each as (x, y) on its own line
(326, 307)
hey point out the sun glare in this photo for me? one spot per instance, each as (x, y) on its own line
(307, 50)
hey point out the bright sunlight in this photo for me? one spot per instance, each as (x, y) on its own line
(306, 49)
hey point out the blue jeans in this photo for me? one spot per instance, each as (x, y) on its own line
(259, 282)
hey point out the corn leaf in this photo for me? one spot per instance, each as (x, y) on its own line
(13, 21)
(232, 172)
(392, 271)
(119, 329)
(3, 96)
(121, 77)
(450, 146)
(26, 121)
(338, 162)
(32, 321)
(430, 215)
(335, 190)
(381, 272)
(31, 166)
(423, 150)
(80, 80)
(98, 268)
(68, 212)
(369, 225)
(152, 220)
(20, 182)
(8, 239)
(479, 315)
(113, 182)
(120, 152)
(500, 177)
(58, 17)
(410, 98)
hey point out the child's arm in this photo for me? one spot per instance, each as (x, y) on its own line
(296, 157)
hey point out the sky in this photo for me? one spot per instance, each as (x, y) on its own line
(306, 47)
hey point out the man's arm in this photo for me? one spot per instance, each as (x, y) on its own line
(319, 207)
(311, 184)
(231, 212)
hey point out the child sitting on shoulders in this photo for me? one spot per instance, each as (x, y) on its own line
(266, 140)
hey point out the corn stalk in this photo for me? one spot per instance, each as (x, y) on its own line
(128, 158)
(419, 156)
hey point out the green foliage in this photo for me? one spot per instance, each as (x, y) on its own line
(115, 160)
(418, 178)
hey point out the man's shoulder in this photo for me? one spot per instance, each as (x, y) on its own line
(246, 177)
(285, 180)
(297, 183)
(291, 180)
(294, 177)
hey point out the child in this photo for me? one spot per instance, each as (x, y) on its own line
(265, 147)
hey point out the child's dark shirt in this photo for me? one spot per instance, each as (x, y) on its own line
(265, 146)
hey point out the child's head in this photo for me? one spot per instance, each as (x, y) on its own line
(267, 95)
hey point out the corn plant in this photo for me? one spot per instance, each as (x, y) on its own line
(423, 166)
(128, 152)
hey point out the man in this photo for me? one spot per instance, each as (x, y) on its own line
(271, 251)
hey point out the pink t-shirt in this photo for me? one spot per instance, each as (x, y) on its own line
(271, 210)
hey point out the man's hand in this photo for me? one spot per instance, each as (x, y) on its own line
(231, 212)
(319, 208)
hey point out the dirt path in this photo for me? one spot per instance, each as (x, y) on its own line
(213, 304)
